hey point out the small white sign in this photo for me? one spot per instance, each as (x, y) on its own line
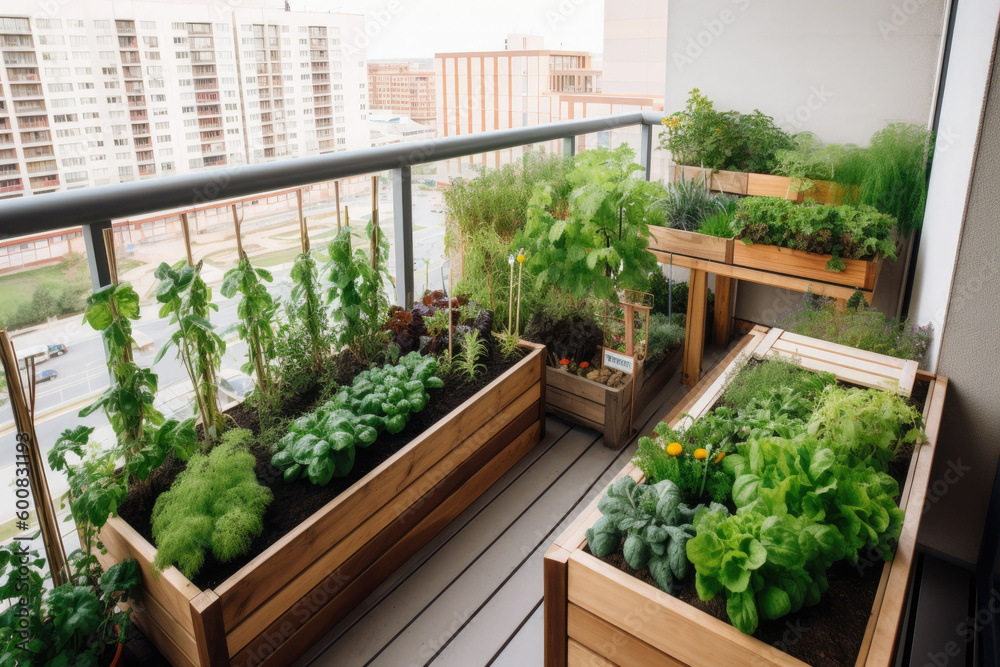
(618, 361)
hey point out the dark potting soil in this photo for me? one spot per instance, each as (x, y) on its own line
(294, 503)
(828, 634)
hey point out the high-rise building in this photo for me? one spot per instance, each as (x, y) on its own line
(402, 88)
(492, 90)
(111, 92)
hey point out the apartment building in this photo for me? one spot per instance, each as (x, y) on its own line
(403, 88)
(112, 92)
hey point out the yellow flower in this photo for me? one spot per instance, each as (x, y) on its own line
(720, 456)
(675, 449)
(701, 453)
(520, 258)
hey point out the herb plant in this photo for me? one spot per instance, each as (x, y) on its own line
(321, 445)
(848, 232)
(257, 324)
(73, 624)
(357, 285)
(600, 245)
(305, 309)
(472, 350)
(215, 503)
(187, 301)
(687, 203)
(655, 524)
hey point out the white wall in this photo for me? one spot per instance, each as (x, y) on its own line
(635, 35)
(961, 109)
(841, 72)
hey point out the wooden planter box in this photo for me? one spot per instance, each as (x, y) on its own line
(733, 182)
(290, 595)
(859, 273)
(596, 614)
(597, 406)
(691, 244)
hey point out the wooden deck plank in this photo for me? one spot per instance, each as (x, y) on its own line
(525, 648)
(409, 600)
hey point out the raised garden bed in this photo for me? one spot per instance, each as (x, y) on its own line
(285, 598)
(595, 613)
(859, 273)
(603, 408)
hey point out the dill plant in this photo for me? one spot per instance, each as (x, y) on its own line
(215, 504)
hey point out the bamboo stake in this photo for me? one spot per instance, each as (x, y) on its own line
(303, 229)
(187, 238)
(336, 194)
(451, 328)
(29, 451)
(374, 237)
(520, 272)
(510, 289)
(238, 224)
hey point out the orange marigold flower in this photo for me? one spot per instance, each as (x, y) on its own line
(584, 364)
(721, 456)
(701, 453)
(564, 361)
(675, 449)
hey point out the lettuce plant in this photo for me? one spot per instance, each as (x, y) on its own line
(655, 524)
(321, 445)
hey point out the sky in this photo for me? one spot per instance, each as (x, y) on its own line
(421, 28)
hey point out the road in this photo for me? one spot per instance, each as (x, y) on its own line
(82, 370)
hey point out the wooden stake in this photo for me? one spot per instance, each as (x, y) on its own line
(303, 230)
(375, 230)
(187, 238)
(347, 225)
(30, 453)
(336, 195)
(451, 328)
(238, 223)
(109, 248)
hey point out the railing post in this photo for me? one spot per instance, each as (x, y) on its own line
(97, 253)
(646, 149)
(569, 146)
(402, 224)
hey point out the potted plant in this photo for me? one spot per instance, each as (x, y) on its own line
(83, 622)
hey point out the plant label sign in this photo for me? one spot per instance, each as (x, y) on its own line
(618, 361)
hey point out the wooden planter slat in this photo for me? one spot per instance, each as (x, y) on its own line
(328, 563)
(593, 632)
(287, 558)
(733, 182)
(859, 273)
(665, 624)
(766, 185)
(602, 408)
(691, 244)
(581, 656)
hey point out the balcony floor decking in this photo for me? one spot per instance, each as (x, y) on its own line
(473, 596)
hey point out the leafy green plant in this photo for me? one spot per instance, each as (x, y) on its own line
(703, 137)
(187, 301)
(73, 624)
(305, 310)
(870, 424)
(356, 284)
(809, 160)
(600, 246)
(473, 348)
(257, 323)
(484, 215)
(321, 445)
(215, 503)
(758, 381)
(848, 232)
(859, 326)
(654, 523)
(663, 334)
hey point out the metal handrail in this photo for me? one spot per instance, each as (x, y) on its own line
(30, 215)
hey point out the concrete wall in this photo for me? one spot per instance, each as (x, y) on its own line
(962, 235)
(841, 73)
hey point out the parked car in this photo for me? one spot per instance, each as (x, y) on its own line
(46, 375)
(57, 350)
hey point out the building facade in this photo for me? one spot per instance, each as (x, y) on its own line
(403, 88)
(113, 92)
